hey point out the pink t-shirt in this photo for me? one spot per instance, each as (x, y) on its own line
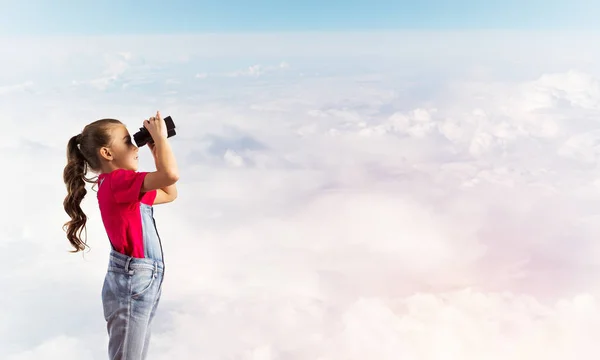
(119, 198)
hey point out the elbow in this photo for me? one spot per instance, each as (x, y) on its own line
(173, 177)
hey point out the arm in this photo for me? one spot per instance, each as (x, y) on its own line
(166, 195)
(167, 173)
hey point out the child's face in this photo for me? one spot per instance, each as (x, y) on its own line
(125, 153)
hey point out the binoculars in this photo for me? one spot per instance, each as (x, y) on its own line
(143, 137)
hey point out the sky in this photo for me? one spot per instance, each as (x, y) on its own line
(353, 193)
(178, 16)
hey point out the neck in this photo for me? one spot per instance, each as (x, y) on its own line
(108, 168)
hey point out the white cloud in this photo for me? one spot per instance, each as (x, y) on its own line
(463, 324)
(573, 87)
(253, 71)
(393, 207)
(55, 349)
(8, 89)
(233, 159)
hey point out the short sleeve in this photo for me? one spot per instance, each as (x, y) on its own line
(149, 197)
(126, 185)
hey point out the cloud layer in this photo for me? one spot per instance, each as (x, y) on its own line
(341, 198)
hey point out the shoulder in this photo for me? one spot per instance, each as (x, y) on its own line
(123, 173)
(126, 176)
(126, 184)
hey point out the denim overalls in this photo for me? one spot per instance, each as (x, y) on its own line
(131, 293)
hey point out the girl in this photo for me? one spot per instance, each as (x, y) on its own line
(133, 282)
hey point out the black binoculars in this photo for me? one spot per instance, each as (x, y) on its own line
(143, 137)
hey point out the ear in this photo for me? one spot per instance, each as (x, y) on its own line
(106, 154)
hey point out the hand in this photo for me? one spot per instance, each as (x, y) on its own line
(156, 126)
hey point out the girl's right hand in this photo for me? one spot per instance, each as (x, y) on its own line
(156, 126)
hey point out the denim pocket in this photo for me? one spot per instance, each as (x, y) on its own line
(116, 287)
(141, 280)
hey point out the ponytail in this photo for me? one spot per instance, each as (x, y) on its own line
(74, 178)
(82, 155)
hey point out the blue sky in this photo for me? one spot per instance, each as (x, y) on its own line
(177, 16)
